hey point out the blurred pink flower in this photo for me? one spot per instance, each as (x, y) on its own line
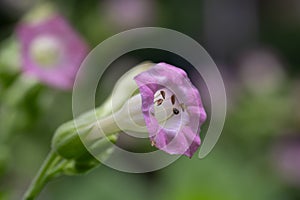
(261, 71)
(51, 51)
(168, 94)
(126, 14)
(286, 155)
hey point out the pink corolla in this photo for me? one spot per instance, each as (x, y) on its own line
(167, 93)
(169, 107)
(51, 51)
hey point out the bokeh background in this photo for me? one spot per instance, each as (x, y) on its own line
(255, 44)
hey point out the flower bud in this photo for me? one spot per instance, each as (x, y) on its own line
(40, 12)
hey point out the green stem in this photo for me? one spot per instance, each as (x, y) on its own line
(41, 178)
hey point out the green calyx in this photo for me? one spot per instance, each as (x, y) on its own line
(66, 140)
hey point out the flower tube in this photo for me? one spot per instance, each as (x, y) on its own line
(66, 140)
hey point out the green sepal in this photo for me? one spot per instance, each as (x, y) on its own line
(86, 161)
(66, 141)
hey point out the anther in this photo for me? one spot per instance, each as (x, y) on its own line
(173, 99)
(152, 143)
(163, 94)
(175, 111)
(159, 102)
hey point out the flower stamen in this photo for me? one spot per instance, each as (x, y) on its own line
(173, 99)
(159, 102)
(163, 94)
(152, 143)
(166, 105)
(175, 111)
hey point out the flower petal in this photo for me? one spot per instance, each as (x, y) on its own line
(183, 137)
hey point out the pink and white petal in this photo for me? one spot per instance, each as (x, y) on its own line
(174, 79)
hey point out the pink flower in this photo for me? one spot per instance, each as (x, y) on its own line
(51, 51)
(171, 108)
(286, 157)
